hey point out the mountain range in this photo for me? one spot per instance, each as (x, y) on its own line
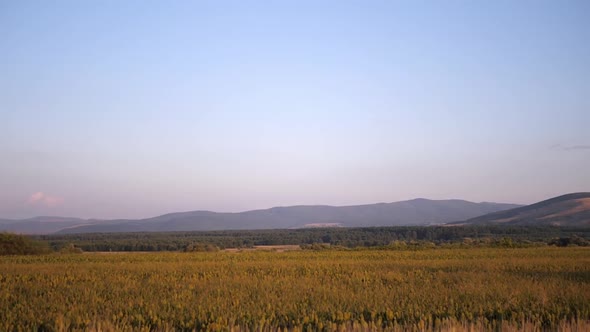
(567, 210)
(405, 213)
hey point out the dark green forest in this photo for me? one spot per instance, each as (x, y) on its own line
(14, 244)
(389, 237)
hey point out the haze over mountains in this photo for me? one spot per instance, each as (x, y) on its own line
(404, 213)
(567, 210)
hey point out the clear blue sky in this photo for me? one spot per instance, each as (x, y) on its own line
(124, 109)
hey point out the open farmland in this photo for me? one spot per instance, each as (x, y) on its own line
(440, 289)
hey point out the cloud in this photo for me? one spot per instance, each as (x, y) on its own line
(36, 197)
(579, 147)
(570, 147)
(41, 198)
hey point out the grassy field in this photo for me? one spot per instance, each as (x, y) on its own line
(365, 290)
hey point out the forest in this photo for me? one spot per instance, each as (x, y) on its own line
(416, 237)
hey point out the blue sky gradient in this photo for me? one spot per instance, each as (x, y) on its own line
(126, 109)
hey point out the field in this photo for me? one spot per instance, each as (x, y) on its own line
(439, 289)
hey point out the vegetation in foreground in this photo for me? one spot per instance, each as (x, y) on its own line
(480, 288)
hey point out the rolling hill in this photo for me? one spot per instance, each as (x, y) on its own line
(39, 225)
(566, 210)
(404, 213)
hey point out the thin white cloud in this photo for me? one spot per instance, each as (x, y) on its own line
(570, 147)
(41, 198)
(579, 147)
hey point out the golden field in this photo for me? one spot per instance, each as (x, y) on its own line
(363, 290)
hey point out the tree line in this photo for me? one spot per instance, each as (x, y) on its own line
(342, 237)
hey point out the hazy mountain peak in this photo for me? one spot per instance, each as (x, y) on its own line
(565, 210)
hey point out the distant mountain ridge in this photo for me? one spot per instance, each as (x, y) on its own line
(566, 210)
(39, 225)
(405, 213)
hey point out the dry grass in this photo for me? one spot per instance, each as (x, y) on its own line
(276, 248)
(441, 289)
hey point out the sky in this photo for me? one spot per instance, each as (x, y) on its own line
(131, 109)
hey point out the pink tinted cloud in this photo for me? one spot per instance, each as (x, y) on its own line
(41, 198)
